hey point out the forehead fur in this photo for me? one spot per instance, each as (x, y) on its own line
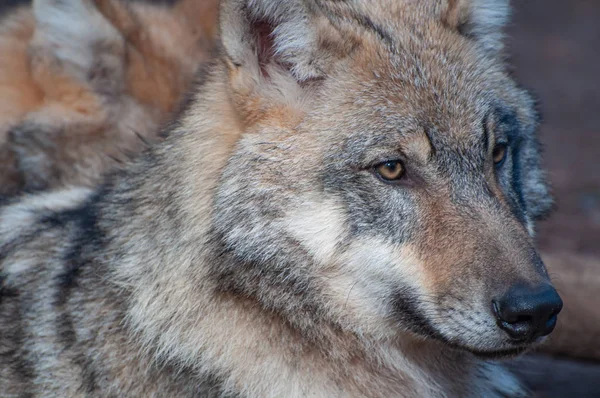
(419, 74)
(411, 43)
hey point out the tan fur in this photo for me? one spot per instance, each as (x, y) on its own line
(255, 252)
(58, 124)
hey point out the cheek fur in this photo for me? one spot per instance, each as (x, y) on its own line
(319, 225)
(365, 277)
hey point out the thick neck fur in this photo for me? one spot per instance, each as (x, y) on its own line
(192, 304)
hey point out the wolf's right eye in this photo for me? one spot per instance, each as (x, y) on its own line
(390, 171)
(499, 154)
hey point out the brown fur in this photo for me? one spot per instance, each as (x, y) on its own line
(73, 109)
(256, 252)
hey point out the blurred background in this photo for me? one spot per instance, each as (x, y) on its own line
(555, 49)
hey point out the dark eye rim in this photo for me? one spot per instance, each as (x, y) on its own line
(386, 180)
(504, 146)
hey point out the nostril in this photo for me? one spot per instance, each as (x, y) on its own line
(525, 313)
(509, 315)
(522, 319)
(517, 326)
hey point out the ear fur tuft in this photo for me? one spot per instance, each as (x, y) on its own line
(287, 27)
(482, 20)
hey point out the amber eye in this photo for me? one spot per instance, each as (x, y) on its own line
(390, 171)
(499, 154)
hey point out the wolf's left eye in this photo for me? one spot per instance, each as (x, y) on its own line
(391, 170)
(499, 154)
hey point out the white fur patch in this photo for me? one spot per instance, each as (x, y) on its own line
(319, 227)
(363, 278)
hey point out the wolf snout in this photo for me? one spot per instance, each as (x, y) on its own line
(526, 313)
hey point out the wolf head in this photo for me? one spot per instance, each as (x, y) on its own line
(388, 175)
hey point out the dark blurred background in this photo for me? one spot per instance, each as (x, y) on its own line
(555, 49)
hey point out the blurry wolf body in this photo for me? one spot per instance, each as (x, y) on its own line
(86, 84)
(345, 208)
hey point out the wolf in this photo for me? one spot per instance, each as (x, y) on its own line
(346, 208)
(86, 84)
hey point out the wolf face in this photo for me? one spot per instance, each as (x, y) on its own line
(348, 198)
(388, 155)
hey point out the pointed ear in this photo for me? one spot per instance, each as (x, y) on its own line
(73, 37)
(259, 35)
(481, 20)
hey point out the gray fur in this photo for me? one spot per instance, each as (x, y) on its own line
(255, 252)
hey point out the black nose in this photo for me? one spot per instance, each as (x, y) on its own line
(526, 313)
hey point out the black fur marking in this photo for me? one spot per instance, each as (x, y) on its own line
(5, 200)
(362, 20)
(486, 135)
(88, 383)
(429, 135)
(7, 249)
(368, 24)
(212, 385)
(291, 293)
(6, 6)
(87, 235)
(508, 122)
(5, 291)
(66, 329)
(405, 304)
(464, 30)
(14, 355)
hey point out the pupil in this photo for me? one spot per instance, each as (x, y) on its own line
(499, 153)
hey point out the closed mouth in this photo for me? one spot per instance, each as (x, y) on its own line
(499, 354)
(488, 354)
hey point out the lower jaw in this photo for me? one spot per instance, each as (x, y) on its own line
(499, 354)
(505, 353)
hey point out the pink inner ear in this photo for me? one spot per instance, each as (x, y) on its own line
(265, 45)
